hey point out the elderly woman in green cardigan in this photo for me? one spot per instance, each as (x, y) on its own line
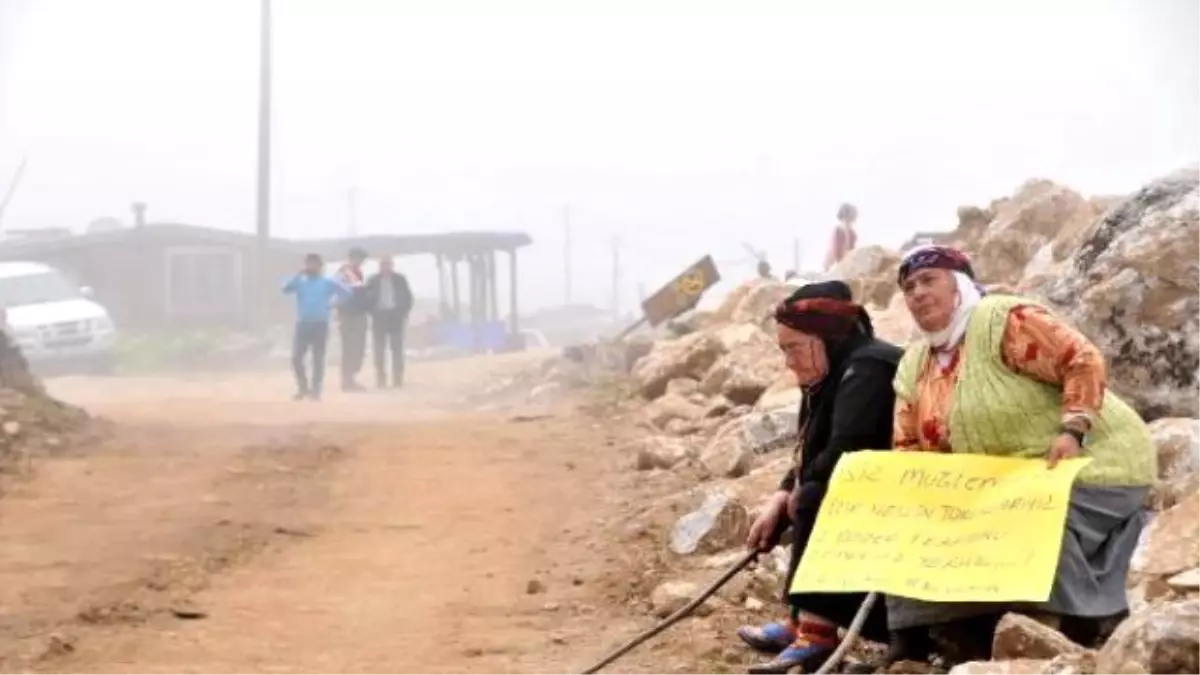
(1000, 375)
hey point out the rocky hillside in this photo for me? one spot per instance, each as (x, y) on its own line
(719, 408)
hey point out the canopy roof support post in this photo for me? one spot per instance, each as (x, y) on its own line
(493, 295)
(441, 271)
(456, 302)
(514, 316)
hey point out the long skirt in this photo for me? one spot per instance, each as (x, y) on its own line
(837, 608)
(1102, 529)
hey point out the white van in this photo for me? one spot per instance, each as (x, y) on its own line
(52, 320)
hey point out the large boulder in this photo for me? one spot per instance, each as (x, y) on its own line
(1177, 442)
(751, 365)
(1039, 213)
(687, 357)
(1021, 637)
(1161, 638)
(894, 324)
(672, 406)
(729, 304)
(660, 452)
(1168, 547)
(734, 449)
(719, 523)
(758, 304)
(871, 273)
(1134, 289)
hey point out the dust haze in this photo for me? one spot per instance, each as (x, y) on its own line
(679, 132)
(226, 445)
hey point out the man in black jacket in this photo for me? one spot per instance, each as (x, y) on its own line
(846, 375)
(390, 300)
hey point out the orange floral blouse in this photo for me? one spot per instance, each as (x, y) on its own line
(1035, 344)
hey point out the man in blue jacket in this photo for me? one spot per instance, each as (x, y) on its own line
(315, 294)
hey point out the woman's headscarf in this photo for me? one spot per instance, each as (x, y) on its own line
(934, 256)
(969, 292)
(825, 309)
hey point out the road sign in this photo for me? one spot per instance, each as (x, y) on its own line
(682, 293)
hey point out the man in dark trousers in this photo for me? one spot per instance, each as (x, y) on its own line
(390, 300)
(315, 294)
(353, 318)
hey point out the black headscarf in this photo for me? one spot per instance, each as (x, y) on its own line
(825, 309)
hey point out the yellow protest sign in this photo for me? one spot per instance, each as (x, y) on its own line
(939, 527)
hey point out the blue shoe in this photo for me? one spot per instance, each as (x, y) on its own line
(807, 653)
(771, 638)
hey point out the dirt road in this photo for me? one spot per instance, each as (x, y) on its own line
(225, 528)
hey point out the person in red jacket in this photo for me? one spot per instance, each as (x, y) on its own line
(844, 236)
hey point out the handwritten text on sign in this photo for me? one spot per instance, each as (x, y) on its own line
(939, 527)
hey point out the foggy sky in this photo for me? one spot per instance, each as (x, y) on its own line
(683, 134)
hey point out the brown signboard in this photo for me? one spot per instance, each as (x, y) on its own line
(682, 293)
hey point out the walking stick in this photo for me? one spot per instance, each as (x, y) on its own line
(830, 663)
(851, 635)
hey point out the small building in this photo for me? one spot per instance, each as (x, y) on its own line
(166, 277)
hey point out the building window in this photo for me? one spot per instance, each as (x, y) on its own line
(203, 281)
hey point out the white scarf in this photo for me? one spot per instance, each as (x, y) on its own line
(944, 340)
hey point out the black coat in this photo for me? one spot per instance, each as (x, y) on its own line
(401, 294)
(851, 410)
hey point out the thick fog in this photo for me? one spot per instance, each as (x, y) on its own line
(683, 128)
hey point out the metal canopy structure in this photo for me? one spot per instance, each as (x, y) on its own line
(470, 315)
(476, 296)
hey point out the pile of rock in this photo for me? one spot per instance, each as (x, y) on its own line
(1027, 238)
(31, 421)
(1133, 287)
(718, 399)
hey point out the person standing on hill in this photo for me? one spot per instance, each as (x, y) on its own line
(353, 318)
(844, 236)
(390, 300)
(315, 294)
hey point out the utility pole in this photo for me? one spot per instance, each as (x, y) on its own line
(12, 188)
(616, 279)
(263, 220)
(796, 255)
(352, 212)
(566, 217)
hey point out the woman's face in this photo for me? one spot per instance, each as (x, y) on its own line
(931, 296)
(805, 355)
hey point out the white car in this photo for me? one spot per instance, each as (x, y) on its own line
(52, 320)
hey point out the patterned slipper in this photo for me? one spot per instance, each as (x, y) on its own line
(771, 638)
(806, 653)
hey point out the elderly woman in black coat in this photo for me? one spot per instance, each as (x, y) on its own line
(846, 375)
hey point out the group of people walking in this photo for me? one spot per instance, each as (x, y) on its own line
(378, 305)
(994, 374)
